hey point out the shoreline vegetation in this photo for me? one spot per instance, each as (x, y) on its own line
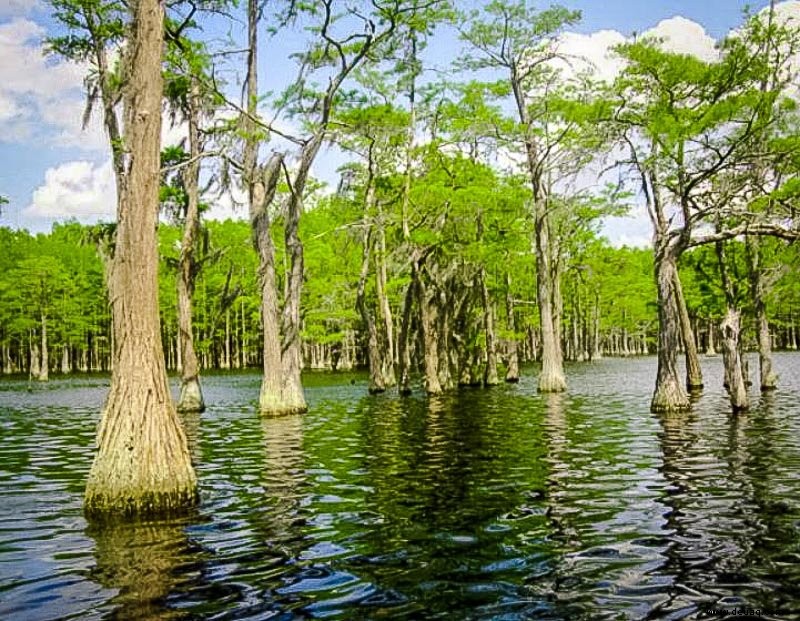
(621, 322)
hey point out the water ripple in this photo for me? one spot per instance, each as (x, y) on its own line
(500, 504)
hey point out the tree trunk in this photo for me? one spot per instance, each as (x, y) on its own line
(490, 377)
(44, 367)
(669, 395)
(271, 394)
(384, 309)
(33, 367)
(444, 308)
(428, 319)
(758, 288)
(281, 392)
(293, 399)
(66, 367)
(142, 464)
(191, 397)
(732, 360)
(552, 377)
(597, 350)
(694, 375)
(374, 353)
(512, 371)
(711, 349)
(404, 354)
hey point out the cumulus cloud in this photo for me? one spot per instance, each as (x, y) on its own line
(41, 98)
(78, 189)
(684, 36)
(593, 53)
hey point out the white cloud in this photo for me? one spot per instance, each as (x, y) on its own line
(41, 98)
(593, 53)
(684, 36)
(8, 108)
(77, 189)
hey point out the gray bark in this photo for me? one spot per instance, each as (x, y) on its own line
(669, 394)
(512, 371)
(44, 367)
(694, 375)
(732, 360)
(490, 377)
(191, 395)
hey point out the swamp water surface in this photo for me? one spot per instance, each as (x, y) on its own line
(487, 504)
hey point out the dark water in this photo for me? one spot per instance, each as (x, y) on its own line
(499, 504)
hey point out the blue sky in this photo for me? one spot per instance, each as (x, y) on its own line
(52, 170)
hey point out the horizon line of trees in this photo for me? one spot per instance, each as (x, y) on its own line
(55, 316)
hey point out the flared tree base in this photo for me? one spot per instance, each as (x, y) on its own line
(143, 466)
(111, 502)
(272, 405)
(191, 398)
(670, 398)
(552, 382)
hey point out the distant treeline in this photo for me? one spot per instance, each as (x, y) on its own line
(54, 311)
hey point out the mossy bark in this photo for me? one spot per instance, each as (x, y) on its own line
(759, 287)
(380, 370)
(732, 360)
(142, 464)
(669, 394)
(281, 392)
(694, 374)
(191, 396)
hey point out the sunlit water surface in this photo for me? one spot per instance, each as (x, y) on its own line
(487, 504)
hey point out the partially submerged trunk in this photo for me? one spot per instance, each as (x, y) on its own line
(66, 366)
(281, 391)
(711, 349)
(142, 464)
(386, 323)
(191, 396)
(405, 340)
(694, 375)
(758, 288)
(512, 370)
(732, 360)
(428, 320)
(669, 394)
(33, 367)
(597, 351)
(768, 377)
(44, 367)
(552, 377)
(293, 399)
(262, 190)
(379, 367)
(490, 377)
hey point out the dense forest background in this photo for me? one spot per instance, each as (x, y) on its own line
(54, 311)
